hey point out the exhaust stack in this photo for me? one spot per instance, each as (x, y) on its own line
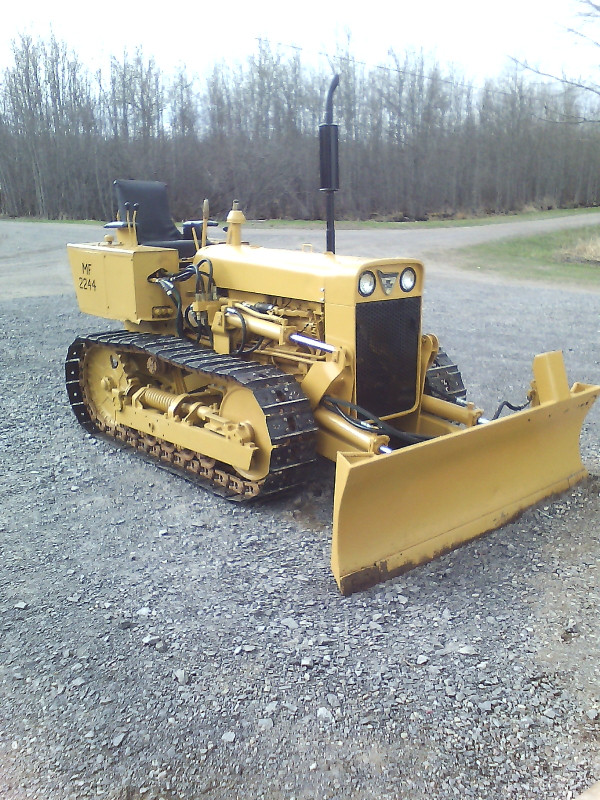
(329, 163)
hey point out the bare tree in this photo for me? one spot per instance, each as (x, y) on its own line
(416, 139)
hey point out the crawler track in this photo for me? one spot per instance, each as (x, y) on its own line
(287, 412)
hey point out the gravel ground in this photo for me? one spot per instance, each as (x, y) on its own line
(158, 642)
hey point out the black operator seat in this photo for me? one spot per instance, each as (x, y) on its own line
(154, 223)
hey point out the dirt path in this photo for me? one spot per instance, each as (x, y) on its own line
(436, 243)
(40, 247)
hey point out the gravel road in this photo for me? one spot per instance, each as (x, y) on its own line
(158, 642)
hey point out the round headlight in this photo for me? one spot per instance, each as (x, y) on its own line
(408, 279)
(366, 284)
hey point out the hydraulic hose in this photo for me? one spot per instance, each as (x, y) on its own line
(208, 274)
(173, 294)
(240, 349)
(505, 404)
(370, 422)
(167, 283)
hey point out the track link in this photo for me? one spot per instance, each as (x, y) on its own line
(288, 415)
(443, 379)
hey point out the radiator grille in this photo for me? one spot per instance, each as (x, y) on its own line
(387, 349)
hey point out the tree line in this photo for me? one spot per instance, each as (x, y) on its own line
(415, 139)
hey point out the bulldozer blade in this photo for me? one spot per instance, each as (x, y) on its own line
(395, 511)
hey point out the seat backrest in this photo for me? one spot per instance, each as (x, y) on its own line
(153, 220)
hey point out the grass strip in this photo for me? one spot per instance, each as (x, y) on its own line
(568, 256)
(374, 224)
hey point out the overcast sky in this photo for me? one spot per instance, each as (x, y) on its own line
(477, 36)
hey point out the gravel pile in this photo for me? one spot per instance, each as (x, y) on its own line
(158, 642)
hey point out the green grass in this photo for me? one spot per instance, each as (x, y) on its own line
(366, 224)
(40, 221)
(547, 257)
(432, 223)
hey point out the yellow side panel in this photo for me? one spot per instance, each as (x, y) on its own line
(112, 282)
(392, 512)
(340, 322)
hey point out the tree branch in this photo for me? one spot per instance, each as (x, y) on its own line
(564, 80)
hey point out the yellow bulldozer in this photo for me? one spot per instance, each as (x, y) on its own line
(239, 365)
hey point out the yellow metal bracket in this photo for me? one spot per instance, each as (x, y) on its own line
(323, 374)
(550, 382)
